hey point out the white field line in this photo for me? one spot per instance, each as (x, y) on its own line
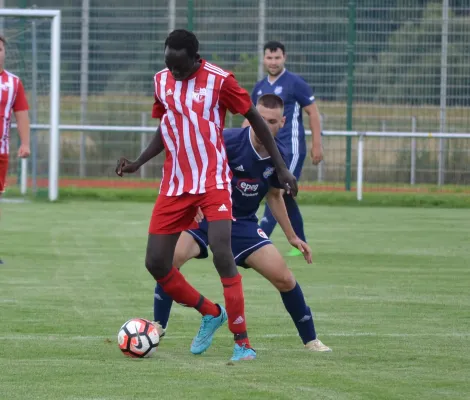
(51, 337)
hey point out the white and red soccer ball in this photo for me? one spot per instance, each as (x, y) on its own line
(138, 338)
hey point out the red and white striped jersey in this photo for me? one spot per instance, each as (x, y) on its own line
(12, 98)
(192, 114)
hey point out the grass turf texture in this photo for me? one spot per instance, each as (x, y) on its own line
(453, 198)
(389, 289)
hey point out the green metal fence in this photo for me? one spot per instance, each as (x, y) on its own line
(375, 65)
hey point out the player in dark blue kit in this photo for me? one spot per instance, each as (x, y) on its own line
(253, 178)
(297, 96)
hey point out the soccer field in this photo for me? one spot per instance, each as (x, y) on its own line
(389, 288)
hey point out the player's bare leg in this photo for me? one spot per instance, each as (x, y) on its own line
(159, 259)
(186, 249)
(219, 234)
(160, 253)
(268, 262)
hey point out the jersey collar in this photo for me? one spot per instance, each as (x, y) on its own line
(253, 147)
(275, 80)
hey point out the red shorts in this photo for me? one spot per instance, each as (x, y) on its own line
(3, 171)
(174, 214)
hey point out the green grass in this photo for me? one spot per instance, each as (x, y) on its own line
(389, 289)
(454, 198)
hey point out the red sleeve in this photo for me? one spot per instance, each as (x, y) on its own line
(236, 99)
(21, 102)
(158, 109)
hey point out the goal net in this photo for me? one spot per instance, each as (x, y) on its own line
(33, 54)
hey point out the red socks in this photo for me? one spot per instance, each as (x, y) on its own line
(235, 305)
(177, 287)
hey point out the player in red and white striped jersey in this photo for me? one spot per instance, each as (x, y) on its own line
(12, 100)
(192, 97)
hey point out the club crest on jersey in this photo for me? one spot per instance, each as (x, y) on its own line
(268, 172)
(5, 86)
(278, 90)
(199, 95)
(262, 234)
(247, 187)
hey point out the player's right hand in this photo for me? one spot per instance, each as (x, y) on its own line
(126, 166)
(199, 215)
(288, 181)
(24, 151)
(303, 247)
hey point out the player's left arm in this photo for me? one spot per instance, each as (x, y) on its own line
(238, 101)
(316, 151)
(304, 96)
(254, 100)
(20, 108)
(279, 211)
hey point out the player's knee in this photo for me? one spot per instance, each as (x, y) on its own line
(284, 281)
(222, 254)
(156, 264)
(221, 248)
(223, 261)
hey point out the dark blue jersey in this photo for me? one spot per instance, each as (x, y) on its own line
(252, 174)
(296, 94)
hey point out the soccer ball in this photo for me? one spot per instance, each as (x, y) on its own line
(138, 338)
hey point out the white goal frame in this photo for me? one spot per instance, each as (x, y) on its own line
(54, 135)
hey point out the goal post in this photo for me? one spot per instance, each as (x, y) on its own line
(54, 97)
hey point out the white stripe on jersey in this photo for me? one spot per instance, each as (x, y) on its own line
(176, 166)
(220, 155)
(208, 100)
(164, 130)
(162, 88)
(218, 177)
(7, 116)
(216, 109)
(295, 138)
(227, 168)
(199, 139)
(215, 69)
(172, 146)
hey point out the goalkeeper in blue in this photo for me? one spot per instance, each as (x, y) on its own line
(254, 177)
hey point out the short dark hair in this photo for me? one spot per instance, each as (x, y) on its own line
(3, 40)
(182, 39)
(271, 101)
(273, 45)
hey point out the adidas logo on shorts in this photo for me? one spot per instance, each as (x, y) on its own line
(240, 168)
(223, 208)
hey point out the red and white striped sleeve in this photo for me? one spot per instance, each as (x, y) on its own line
(21, 102)
(236, 99)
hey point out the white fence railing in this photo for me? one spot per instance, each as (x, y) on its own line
(360, 144)
(360, 147)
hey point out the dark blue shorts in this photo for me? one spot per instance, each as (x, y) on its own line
(247, 237)
(296, 163)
